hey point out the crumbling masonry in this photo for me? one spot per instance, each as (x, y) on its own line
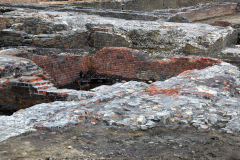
(45, 48)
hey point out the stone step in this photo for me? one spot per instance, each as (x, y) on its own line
(54, 91)
(30, 78)
(232, 51)
(30, 73)
(44, 91)
(231, 55)
(43, 87)
(42, 82)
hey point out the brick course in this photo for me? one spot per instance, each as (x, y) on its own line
(124, 62)
(34, 87)
(115, 61)
(63, 69)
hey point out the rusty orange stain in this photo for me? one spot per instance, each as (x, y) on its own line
(80, 117)
(177, 115)
(20, 111)
(93, 120)
(99, 115)
(134, 119)
(153, 90)
(70, 114)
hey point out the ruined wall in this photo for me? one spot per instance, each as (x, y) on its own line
(20, 81)
(63, 69)
(75, 31)
(125, 63)
(140, 5)
(18, 38)
(132, 64)
(23, 83)
(20, 95)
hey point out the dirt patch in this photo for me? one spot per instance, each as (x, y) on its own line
(94, 142)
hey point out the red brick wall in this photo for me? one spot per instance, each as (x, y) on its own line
(123, 62)
(63, 69)
(114, 61)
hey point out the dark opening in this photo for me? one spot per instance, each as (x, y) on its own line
(238, 42)
(88, 84)
(4, 10)
(6, 113)
(90, 80)
(87, 81)
(7, 110)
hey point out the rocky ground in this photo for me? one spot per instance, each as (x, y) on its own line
(95, 142)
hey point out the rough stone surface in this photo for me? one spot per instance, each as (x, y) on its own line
(47, 46)
(231, 55)
(207, 99)
(59, 29)
(24, 84)
(142, 5)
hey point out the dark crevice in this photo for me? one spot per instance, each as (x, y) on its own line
(90, 80)
(6, 110)
(6, 113)
(238, 41)
(88, 84)
(4, 10)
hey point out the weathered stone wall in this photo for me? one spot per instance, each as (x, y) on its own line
(207, 99)
(149, 5)
(18, 38)
(21, 1)
(74, 30)
(140, 5)
(210, 11)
